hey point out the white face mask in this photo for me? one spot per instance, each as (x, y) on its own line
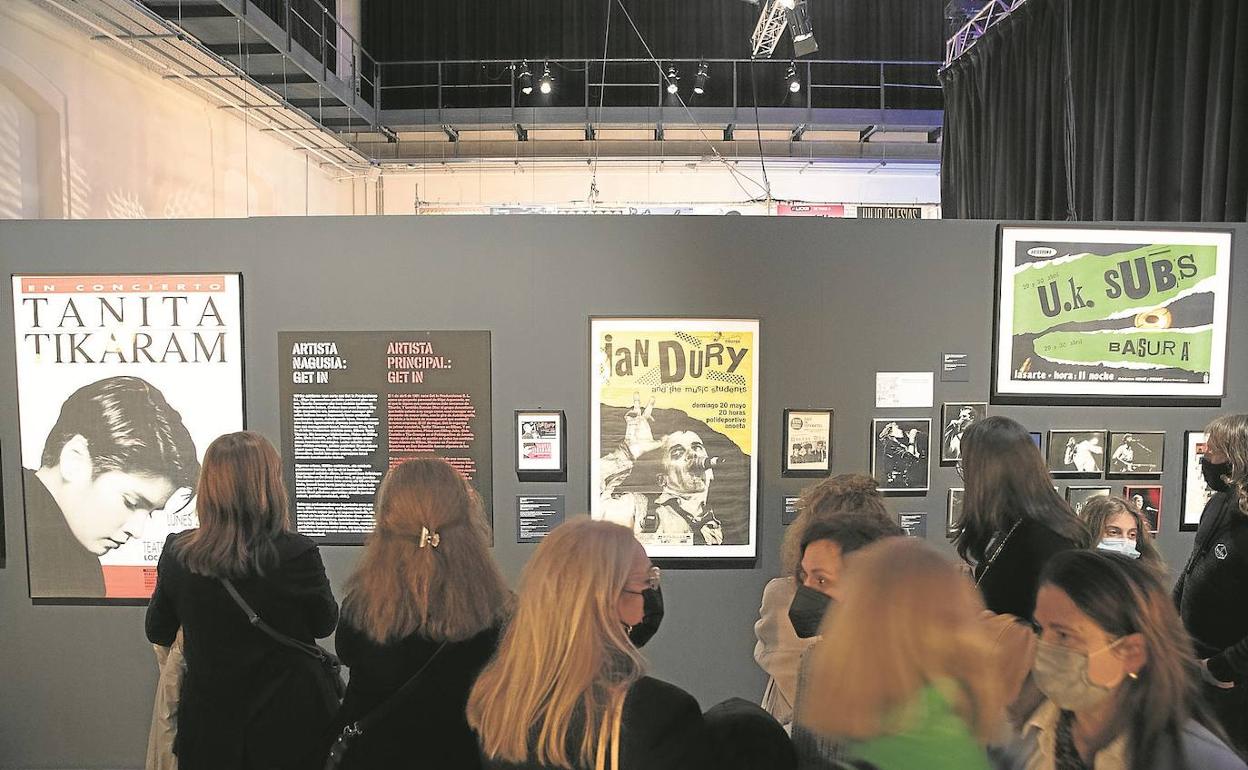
(1119, 545)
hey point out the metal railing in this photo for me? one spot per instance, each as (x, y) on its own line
(627, 82)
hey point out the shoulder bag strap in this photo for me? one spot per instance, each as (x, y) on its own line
(400, 695)
(277, 636)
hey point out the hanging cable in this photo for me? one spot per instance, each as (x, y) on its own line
(602, 92)
(736, 173)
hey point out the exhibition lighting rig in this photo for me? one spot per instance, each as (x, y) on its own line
(977, 27)
(775, 17)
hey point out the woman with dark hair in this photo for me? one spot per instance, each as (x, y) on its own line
(1118, 674)
(1013, 520)
(1117, 525)
(779, 649)
(1210, 592)
(427, 600)
(247, 700)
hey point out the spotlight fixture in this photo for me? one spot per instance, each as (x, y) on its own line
(699, 82)
(801, 29)
(795, 83)
(547, 83)
(526, 79)
(673, 80)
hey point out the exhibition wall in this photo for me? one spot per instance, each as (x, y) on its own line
(837, 301)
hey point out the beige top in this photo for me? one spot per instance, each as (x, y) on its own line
(779, 649)
(1042, 729)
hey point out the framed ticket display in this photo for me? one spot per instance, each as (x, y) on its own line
(807, 448)
(674, 433)
(123, 381)
(541, 446)
(1095, 314)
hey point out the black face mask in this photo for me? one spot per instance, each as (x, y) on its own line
(807, 610)
(651, 617)
(1214, 473)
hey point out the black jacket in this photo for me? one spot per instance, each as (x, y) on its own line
(430, 727)
(1211, 591)
(1009, 585)
(248, 702)
(662, 729)
(60, 567)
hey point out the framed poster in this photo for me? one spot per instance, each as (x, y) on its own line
(1088, 314)
(1136, 453)
(674, 431)
(900, 454)
(1146, 498)
(953, 511)
(955, 418)
(1079, 453)
(541, 445)
(1079, 496)
(122, 381)
(1196, 492)
(807, 447)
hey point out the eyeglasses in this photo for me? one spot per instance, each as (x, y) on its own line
(653, 580)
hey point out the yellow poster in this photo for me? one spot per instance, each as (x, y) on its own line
(674, 427)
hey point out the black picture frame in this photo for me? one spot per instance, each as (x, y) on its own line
(522, 443)
(887, 474)
(1194, 486)
(1059, 469)
(952, 426)
(1003, 393)
(785, 469)
(1113, 467)
(1152, 514)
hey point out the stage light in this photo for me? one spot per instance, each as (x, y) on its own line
(525, 78)
(801, 29)
(787, 5)
(673, 80)
(547, 83)
(795, 83)
(699, 83)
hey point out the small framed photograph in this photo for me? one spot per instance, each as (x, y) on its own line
(953, 506)
(1196, 492)
(807, 442)
(955, 418)
(1079, 496)
(900, 454)
(541, 445)
(1136, 453)
(1079, 453)
(1147, 498)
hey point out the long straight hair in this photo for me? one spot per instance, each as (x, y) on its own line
(242, 507)
(448, 592)
(1228, 435)
(1123, 597)
(907, 618)
(1099, 510)
(1007, 480)
(565, 663)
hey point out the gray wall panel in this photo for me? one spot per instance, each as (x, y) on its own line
(838, 300)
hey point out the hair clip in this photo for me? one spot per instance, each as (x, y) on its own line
(431, 539)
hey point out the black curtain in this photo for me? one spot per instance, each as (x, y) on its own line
(1129, 110)
(415, 30)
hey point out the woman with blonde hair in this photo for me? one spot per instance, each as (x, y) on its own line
(247, 701)
(902, 677)
(1210, 592)
(421, 617)
(567, 689)
(1117, 525)
(779, 649)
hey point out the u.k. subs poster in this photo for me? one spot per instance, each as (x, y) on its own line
(674, 433)
(1104, 313)
(122, 381)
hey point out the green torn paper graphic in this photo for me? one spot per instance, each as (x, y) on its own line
(1151, 266)
(1188, 349)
